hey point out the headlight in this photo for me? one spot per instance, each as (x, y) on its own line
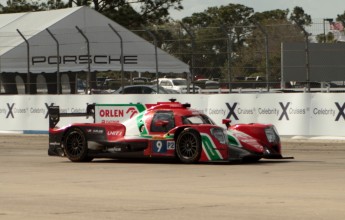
(272, 134)
(219, 134)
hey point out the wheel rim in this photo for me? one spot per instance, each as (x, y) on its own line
(75, 143)
(188, 146)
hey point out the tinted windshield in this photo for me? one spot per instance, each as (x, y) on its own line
(180, 82)
(197, 119)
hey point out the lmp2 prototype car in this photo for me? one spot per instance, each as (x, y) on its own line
(164, 130)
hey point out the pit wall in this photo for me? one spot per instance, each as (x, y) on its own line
(307, 114)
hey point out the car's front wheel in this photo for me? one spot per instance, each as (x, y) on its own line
(188, 146)
(75, 145)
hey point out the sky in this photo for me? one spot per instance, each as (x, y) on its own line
(317, 9)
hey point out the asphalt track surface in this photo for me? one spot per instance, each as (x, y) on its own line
(36, 186)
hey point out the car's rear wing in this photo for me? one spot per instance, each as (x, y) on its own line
(55, 114)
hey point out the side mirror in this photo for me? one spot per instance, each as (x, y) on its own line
(226, 122)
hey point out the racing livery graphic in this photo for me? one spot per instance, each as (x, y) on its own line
(161, 130)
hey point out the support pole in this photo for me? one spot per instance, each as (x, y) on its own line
(121, 56)
(306, 48)
(28, 75)
(58, 91)
(191, 35)
(156, 55)
(266, 54)
(88, 77)
(229, 47)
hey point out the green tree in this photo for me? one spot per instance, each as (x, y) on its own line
(279, 28)
(298, 15)
(15, 6)
(133, 14)
(320, 38)
(212, 29)
(341, 17)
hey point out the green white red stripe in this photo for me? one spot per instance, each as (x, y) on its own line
(207, 146)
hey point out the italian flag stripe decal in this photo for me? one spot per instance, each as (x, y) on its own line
(207, 146)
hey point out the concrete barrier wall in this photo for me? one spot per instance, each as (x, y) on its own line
(292, 114)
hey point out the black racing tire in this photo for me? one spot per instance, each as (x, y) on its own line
(75, 145)
(188, 146)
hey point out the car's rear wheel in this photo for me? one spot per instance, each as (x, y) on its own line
(188, 146)
(75, 145)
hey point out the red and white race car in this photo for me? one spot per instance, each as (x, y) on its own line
(164, 130)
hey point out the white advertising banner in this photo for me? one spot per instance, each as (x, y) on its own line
(327, 116)
(240, 108)
(292, 114)
(289, 112)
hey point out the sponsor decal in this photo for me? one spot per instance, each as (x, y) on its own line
(37, 110)
(232, 110)
(341, 112)
(216, 111)
(235, 110)
(171, 145)
(323, 111)
(83, 59)
(13, 110)
(114, 133)
(338, 113)
(288, 110)
(47, 107)
(284, 111)
(244, 138)
(131, 111)
(268, 111)
(202, 110)
(116, 113)
(94, 131)
(10, 110)
(111, 113)
(109, 121)
(62, 110)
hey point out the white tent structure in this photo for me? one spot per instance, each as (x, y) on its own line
(77, 35)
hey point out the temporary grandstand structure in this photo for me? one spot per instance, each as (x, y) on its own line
(73, 40)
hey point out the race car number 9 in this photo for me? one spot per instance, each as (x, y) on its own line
(160, 146)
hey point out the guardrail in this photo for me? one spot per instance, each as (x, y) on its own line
(275, 90)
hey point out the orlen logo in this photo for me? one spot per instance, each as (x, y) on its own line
(116, 113)
(132, 111)
(111, 113)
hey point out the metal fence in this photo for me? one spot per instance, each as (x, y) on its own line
(238, 57)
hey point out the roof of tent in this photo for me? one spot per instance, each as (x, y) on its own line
(57, 40)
